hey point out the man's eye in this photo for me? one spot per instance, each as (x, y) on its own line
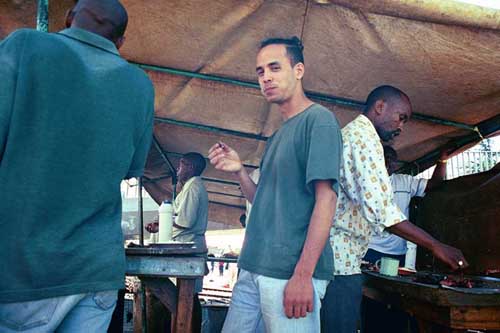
(275, 68)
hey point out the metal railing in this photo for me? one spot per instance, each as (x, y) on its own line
(467, 163)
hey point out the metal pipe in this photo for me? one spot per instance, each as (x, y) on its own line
(208, 179)
(179, 155)
(226, 204)
(485, 128)
(173, 172)
(226, 194)
(154, 180)
(246, 135)
(210, 128)
(42, 16)
(220, 181)
(443, 122)
(340, 101)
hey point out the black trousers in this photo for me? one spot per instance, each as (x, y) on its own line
(340, 308)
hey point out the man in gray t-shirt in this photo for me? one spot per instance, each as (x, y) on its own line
(191, 215)
(191, 204)
(285, 265)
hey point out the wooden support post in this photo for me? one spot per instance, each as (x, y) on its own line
(182, 321)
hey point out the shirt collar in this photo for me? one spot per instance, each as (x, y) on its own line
(191, 180)
(90, 38)
(366, 123)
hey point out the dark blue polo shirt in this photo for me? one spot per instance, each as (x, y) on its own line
(75, 119)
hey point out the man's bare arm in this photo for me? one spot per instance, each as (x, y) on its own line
(447, 254)
(298, 298)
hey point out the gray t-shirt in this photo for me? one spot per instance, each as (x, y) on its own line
(191, 207)
(307, 147)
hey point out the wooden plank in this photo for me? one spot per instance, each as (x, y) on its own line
(423, 310)
(165, 290)
(434, 318)
(137, 312)
(483, 318)
(182, 321)
(157, 316)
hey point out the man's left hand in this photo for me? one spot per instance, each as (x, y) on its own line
(298, 297)
(152, 227)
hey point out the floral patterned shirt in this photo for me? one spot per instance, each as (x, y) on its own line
(365, 200)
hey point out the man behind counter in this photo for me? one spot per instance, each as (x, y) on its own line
(191, 211)
(405, 187)
(366, 206)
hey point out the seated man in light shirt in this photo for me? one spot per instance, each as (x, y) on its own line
(404, 187)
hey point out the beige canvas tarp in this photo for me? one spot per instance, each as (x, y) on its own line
(201, 58)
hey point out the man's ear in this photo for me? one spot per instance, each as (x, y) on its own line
(70, 15)
(379, 107)
(299, 70)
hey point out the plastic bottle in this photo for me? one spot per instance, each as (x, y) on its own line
(411, 255)
(165, 213)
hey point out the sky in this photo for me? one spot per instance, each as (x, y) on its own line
(483, 3)
(495, 143)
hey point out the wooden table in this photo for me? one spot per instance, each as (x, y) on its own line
(155, 265)
(436, 309)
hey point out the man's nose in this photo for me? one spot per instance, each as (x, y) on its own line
(268, 77)
(401, 125)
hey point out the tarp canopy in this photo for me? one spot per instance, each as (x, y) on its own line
(200, 56)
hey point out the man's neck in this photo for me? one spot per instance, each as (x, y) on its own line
(295, 105)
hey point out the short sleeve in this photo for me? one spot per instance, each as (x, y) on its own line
(324, 154)
(418, 186)
(136, 168)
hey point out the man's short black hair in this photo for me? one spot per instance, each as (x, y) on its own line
(197, 161)
(385, 93)
(293, 46)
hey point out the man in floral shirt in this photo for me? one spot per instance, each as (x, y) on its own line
(366, 206)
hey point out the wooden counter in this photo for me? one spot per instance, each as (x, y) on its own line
(436, 309)
(155, 265)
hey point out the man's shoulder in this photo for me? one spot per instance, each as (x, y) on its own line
(318, 109)
(360, 129)
(402, 181)
(19, 36)
(197, 185)
(319, 113)
(142, 78)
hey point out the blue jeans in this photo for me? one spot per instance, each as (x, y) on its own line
(340, 312)
(257, 306)
(75, 313)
